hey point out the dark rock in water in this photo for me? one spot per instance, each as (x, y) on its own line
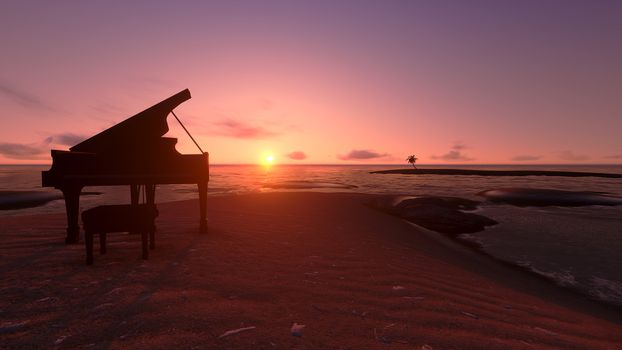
(11, 200)
(440, 214)
(446, 220)
(26, 199)
(524, 197)
(445, 202)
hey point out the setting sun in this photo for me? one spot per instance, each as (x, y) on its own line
(268, 159)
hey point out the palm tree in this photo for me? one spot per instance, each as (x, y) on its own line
(412, 159)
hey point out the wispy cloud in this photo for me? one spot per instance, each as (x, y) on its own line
(525, 158)
(242, 130)
(571, 156)
(297, 155)
(24, 98)
(66, 139)
(265, 104)
(362, 154)
(154, 80)
(38, 150)
(22, 151)
(152, 84)
(108, 108)
(455, 154)
(614, 156)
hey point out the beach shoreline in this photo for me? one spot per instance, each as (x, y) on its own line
(356, 277)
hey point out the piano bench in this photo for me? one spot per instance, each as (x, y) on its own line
(119, 218)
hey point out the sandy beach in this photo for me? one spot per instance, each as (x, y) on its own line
(356, 278)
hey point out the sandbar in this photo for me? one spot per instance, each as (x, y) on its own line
(479, 172)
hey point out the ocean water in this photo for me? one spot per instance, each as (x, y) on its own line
(575, 247)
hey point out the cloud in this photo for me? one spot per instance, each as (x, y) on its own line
(614, 156)
(237, 129)
(37, 150)
(571, 156)
(21, 151)
(24, 98)
(66, 139)
(265, 104)
(525, 158)
(297, 155)
(455, 154)
(362, 154)
(107, 108)
(154, 80)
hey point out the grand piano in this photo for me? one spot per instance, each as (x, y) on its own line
(132, 152)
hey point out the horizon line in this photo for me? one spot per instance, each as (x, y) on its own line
(360, 164)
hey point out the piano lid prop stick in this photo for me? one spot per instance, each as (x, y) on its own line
(187, 132)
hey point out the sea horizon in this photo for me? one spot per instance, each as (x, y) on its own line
(374, 164)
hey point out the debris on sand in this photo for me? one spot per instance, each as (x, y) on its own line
(473, 316)
(297, 329)
(236, 331)
(9, 327)
(60, 340)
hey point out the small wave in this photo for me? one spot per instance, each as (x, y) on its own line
(307, 185)
(522, 263)
(469, 238)
(395, 201)
(606, 290)
(563, 278)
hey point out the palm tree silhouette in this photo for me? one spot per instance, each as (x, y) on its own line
(412, 159)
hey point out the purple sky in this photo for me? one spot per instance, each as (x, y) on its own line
(322, 81)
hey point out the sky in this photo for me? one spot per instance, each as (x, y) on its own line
(317, 82)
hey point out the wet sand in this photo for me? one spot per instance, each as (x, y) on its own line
(354, 276)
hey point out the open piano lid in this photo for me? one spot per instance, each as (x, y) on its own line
(140, 129)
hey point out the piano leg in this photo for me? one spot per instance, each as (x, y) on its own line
(134, 198)
(149, 237)
(203, 206)
(150, 192)
(134, 192)
(72, 205)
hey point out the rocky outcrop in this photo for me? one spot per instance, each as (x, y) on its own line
(440, 214)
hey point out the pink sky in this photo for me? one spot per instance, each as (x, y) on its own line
(322, 81)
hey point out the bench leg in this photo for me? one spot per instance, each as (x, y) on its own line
(88, 241)
(144, 236)
(102, 243)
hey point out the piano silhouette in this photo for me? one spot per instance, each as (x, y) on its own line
(132, 153)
